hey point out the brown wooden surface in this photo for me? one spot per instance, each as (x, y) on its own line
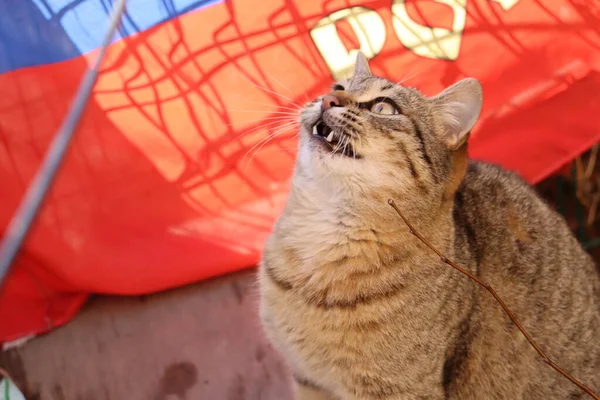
(199, 342)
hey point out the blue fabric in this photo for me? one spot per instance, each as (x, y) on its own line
(35, 32)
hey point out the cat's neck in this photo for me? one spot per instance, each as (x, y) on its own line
(329, 222)
(336, 248)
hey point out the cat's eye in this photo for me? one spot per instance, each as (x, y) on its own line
(338, 87)
(384, 108)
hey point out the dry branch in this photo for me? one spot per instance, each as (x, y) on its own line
(508, 312)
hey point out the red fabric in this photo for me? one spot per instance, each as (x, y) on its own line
(168, 182)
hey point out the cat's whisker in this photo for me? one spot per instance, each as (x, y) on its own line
(270, 127)
(278, 117)
(278, 104)
(275, 105)
(267, 131)
(256, 146)
(289, 148)
(287, 88)
(269, 122)
(267, 126)
(344, 141)
(269, 90)
(280, 131)
(361, 118)
(324, 177)
(413, 75)
(345, 124)
(274, 118)
(264, 142)
(359, 141)
(277, 94)
(338, 145)
(347, 142)
(265, 111)
(341, 143)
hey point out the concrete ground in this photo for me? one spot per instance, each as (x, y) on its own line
(200, 342)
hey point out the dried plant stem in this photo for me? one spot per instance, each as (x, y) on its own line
(487, 287)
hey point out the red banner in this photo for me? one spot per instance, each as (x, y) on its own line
(184, 156)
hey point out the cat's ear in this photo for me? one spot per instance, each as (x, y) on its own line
(362, 65)
(459, 107)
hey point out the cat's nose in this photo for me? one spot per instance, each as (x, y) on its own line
(331, 101)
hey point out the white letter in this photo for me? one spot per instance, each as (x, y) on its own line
(428, 41)
(369, 29)
(506, 4)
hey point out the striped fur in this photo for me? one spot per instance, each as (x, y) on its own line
(362, 310)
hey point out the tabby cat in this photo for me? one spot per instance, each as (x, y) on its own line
(361, 309)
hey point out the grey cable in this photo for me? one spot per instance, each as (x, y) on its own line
(29, 207)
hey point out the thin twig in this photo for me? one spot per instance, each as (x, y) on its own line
(591, 162)
(593, 208)
(487, 287)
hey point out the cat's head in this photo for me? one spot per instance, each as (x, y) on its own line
(369, 132)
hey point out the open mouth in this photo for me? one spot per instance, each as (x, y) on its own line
(337, 142)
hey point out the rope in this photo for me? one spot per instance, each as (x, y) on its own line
(29, 208)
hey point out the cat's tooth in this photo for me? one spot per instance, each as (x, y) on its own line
(329, 137)
(315, 130)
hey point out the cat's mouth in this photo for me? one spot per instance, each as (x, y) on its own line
(335, 140)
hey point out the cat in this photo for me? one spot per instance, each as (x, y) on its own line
(361, 309)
